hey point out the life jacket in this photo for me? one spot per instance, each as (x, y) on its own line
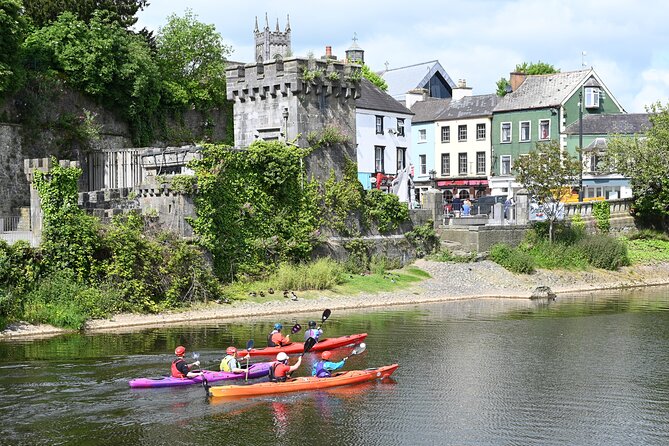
(175, 371)
(272, 374)
(225, 364)
(270, 342)
(321, 371)
(312, 333)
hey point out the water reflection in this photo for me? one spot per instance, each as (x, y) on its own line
(581, 370)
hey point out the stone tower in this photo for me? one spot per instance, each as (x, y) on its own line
(269, 44)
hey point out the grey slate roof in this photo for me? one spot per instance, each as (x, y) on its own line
(403, 79)
(470, 107)
(545, 90)
(371, 98)
(428, 110)
(623, 123)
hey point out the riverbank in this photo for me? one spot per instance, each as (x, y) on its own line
(449, 281)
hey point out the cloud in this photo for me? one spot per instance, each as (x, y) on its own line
(655, 88)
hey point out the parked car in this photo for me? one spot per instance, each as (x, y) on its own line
(485, 204)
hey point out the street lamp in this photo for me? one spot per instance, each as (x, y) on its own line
(580, 144)
(285, 123)
(433, 177)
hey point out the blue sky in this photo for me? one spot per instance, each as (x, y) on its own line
(627, 42)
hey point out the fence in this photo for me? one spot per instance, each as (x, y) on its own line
(12, 230)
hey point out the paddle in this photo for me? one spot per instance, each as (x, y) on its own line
(308, 345)
(325, 316)
(196, 357)
(295, 329)
(357, 350)
(249, 346)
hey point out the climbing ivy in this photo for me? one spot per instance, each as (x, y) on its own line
(602, 213)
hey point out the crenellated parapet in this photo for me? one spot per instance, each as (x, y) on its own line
(43, 165)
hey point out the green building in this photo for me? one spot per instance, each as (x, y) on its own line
(538, 109)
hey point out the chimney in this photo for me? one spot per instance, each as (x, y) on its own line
(415, 95)
(516, 80)
(328, 51)
(462, 90)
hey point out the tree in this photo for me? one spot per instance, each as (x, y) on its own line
(530, 69)
(645, 160)
(374, 78)
(43, 12)
(12, 31)
(192, 57)
(549, 174)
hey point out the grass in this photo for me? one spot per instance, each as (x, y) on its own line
(648, 250)
(374, 283)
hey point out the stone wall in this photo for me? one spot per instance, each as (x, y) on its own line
(13, 185)
(392, 247)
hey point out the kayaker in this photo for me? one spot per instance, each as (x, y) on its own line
(280, 370)
(324, 368)
(230, 362)
(276, 339)
(181, 369)
(313, 332)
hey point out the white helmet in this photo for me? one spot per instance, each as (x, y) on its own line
(282, 356)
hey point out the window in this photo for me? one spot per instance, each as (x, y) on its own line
(544, 129)
(379, 125)
(400, 127)
(401, 158)
(505, 162)
(423, 164)
(462, 133)
(591, 97)
(378, 158)
(446, 134)
(480, 162)
(480, 131)
(506, 132)
(445, 164)
(594, 161)
(524, 131)
(422, 135)
(462, 163)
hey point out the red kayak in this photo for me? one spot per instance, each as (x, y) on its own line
(304, 383)
(298, 347)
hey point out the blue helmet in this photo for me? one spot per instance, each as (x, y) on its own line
(278, 326)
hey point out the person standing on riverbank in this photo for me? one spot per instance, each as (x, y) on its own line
(181, 369)
(276, 339)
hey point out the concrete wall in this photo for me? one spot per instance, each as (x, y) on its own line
(482, 238)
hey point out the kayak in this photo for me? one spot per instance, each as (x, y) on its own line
(304, 383)
(255, 371)
(298, 347)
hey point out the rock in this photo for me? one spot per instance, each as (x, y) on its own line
(543, 292)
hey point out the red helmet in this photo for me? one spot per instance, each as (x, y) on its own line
(326, 355)
(231, 350)
(180, 350)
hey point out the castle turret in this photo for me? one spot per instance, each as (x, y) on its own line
(355, 54)
(270, 44)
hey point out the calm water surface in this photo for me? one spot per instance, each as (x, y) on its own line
(587, 370)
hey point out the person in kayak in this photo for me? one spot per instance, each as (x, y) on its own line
(324, 368)
(181, 369)
(280, 370)
(230, 362)
(276, 339)
(313, 332)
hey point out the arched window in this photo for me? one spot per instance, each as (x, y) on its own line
(464, 193)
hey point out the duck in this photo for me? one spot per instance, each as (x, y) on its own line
(262, 294)
(293, 296)
(285, 293)
(253, 294)
(271, 291)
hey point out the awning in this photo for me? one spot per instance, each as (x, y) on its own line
(446, 183)
(607, 182)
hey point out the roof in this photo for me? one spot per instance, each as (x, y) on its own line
(605, 124)
(428, 110)
(470, 107)
(400, 80)
(372, 98)
(544, 90)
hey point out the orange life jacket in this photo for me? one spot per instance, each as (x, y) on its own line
(175, 371)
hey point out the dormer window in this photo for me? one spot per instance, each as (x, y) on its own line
(591, 97)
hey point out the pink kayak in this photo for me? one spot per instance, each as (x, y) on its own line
(255, 371)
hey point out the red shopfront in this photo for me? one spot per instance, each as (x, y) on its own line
(463, 188)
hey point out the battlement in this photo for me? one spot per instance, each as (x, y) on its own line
(43, 165)
(292, 76)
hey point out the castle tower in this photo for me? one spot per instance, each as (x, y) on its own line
(269, 44)
(355, 54)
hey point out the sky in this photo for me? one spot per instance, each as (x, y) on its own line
(626, 42)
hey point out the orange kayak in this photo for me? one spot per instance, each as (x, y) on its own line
(298, 347)
(305, 383)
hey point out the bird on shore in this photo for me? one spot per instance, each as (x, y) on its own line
(293, 296)
(271, 291)
(285, 293)
(253, 294)
(262, 294)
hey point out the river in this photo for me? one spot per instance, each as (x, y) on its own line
(583, 370)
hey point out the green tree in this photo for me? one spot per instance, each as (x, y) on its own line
(374, 78)
(645, 160)
(549, 174)
(43, 12)
(192, 58)
(105, 61)
(12, 32)
(531, 68)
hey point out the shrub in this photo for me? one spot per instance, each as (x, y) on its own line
(602, 213)
(562, 231)
(319, 275)
(424, 239)
(557, 255)
(378, 264)
(513, 259)
(603, 251)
